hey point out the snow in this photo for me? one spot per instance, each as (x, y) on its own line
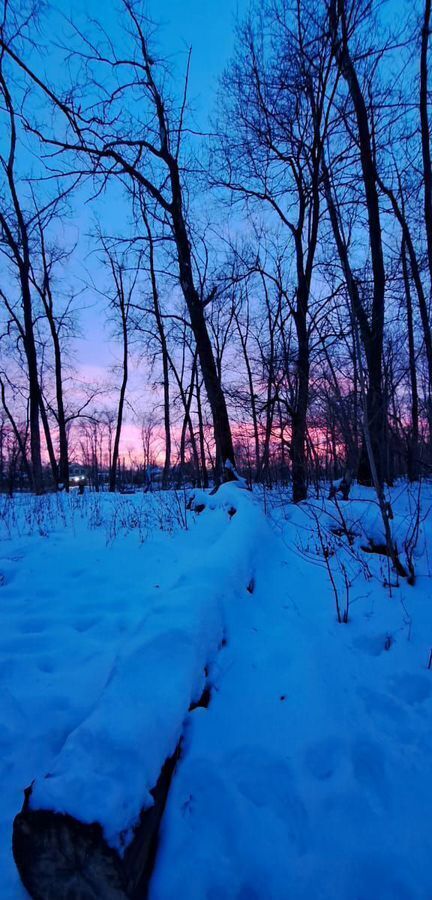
(118, 751)
(308, 775)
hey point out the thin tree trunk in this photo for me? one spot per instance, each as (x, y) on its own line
(425, 135)
(194, 303)
(165, 356)
(243, 341)
(374, 392)
(215, 394)
(16, 432)
(48, 438)
(412, 456)
(375, 404)
(201, 433)
(34, 394)
(113, 472)
(21, 253)
(61, 472)
(299, 414)
(187, 421)
(399, 212)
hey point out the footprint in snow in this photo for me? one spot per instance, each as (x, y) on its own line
(374, 645)
(383, 705)
(323, 758)
(411, 688)
(33, 626)
(84, 624)
(392, 715)
(47, 666)
(268, 781)
(248, 891)
(372, 869)
(369, 768)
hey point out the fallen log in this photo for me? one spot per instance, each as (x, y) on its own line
(88, 830)
(59, 857)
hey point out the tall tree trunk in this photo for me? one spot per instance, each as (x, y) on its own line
(374, 398)
(299, 414)
(194, 302)
(63, 464)
(48, 438)
(375, 404)
(167, 420)
(34, 391)
(60, 471)
(215, 394)
(426, 154)
(165, 355)
(425, 134)
(399, 211)
(19, 246)
(304, 277)
(115, 456)
(201, 432)
(187, 421)
(413, 439)
(243, 341)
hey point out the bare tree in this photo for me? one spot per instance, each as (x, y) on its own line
(343, 22)
(15, 245)
(279, 91)
(144, 146)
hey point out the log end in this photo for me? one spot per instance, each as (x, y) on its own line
(57, 856)
(61, 858)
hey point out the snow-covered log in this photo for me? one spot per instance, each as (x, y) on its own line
(89, 828)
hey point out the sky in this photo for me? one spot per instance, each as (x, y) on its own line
(207, 26)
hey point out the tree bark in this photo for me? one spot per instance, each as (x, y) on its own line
(20, 249)
(34, 391)
(215, 394)
(399, 211)
(165, 356)
(375, 404)
(412, 454)
(204, 472)
(243, 341)
(425, 134)
(60, 471)
(299, 414)
(115, 455)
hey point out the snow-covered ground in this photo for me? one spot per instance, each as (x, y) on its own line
(308, 776)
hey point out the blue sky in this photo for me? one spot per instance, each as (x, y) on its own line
(208, 27)
(205, 25)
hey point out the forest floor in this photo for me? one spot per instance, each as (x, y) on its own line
(308, 775)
